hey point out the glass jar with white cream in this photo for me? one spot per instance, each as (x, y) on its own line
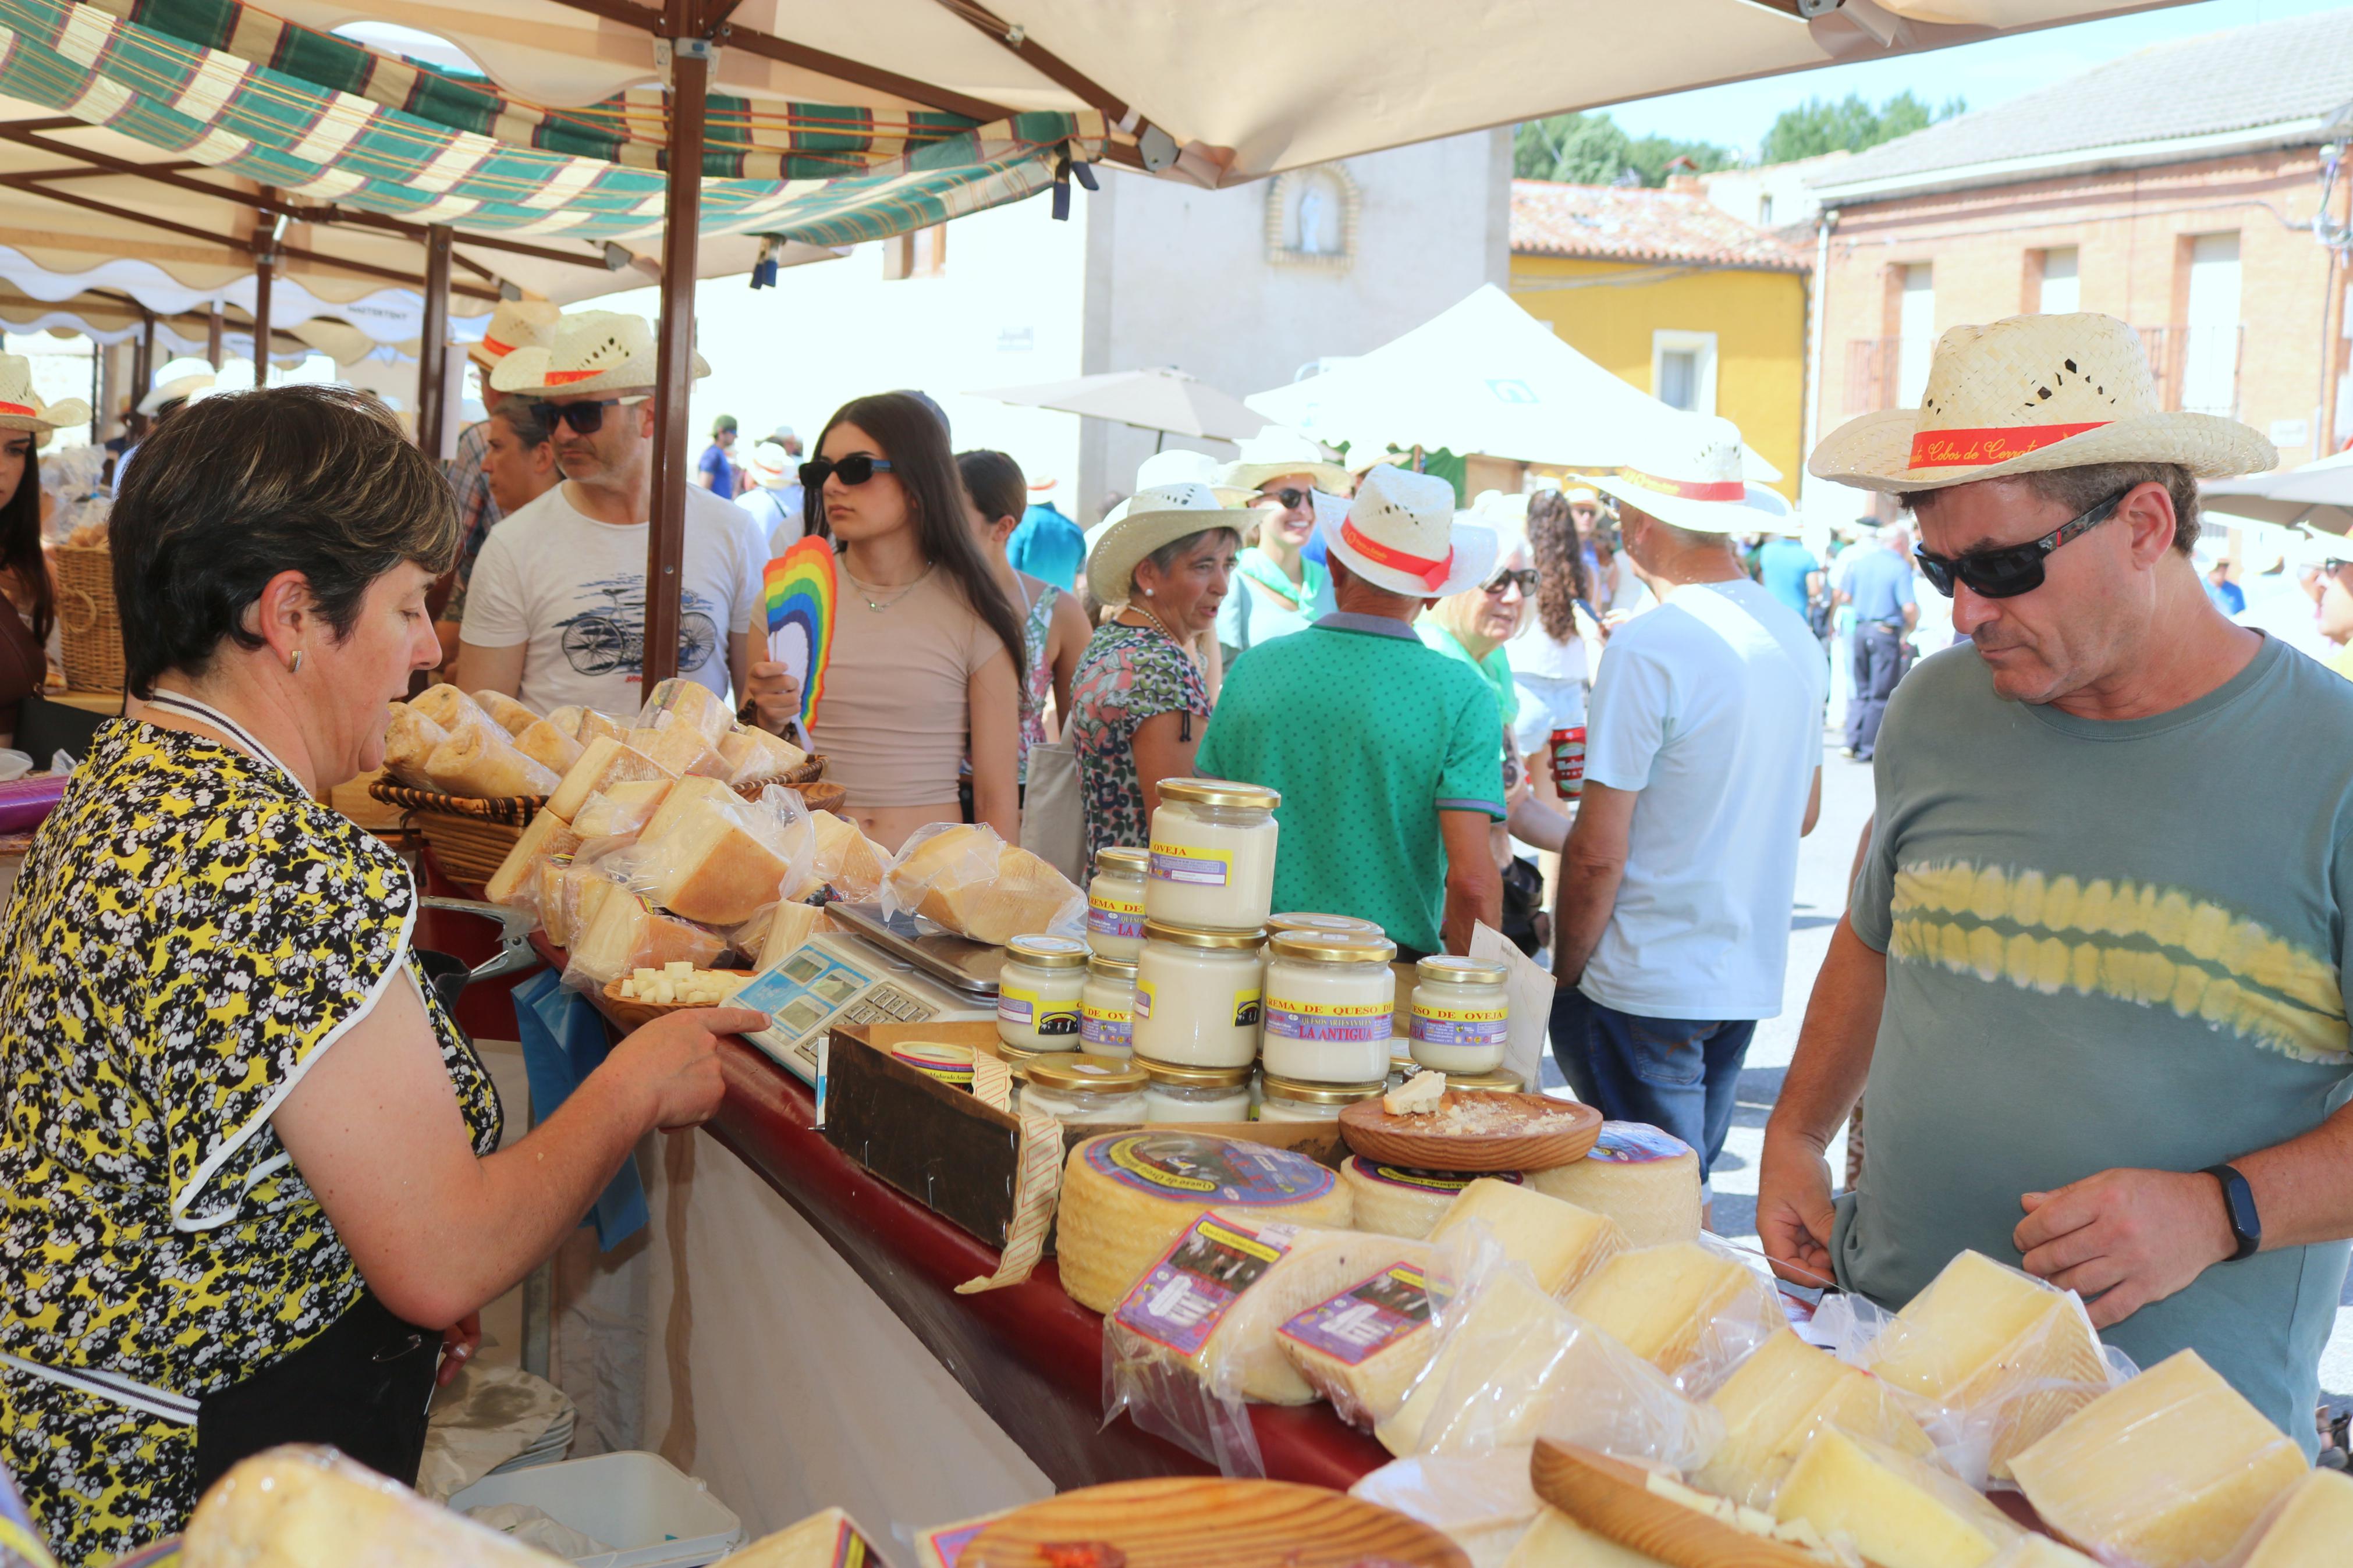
(1038, 992)
(1107, 1009)
(1277, 924)
(1198, 996)
(1290, 1101)
(1212, 862)
(1329, 998)
(1074, 1087)
(1460, 1017)
(1115, 901)
(1487, 1082)
(1195, 1094)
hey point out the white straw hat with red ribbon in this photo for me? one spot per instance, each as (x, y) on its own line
(515, 324)
(1687, 473)
(2034, 393)
(21, 407)
(1399, 534)
(590, 351)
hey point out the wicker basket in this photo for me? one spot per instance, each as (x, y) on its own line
(806, 780)
(469, 838)
(89, 627)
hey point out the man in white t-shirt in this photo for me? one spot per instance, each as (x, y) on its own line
(555, 614)
(1702, 769)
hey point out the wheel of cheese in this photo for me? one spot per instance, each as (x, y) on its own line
(1396, 1200)
(1646, 1180)
(1127, 1196)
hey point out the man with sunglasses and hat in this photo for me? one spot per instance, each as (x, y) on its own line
(2094, 968)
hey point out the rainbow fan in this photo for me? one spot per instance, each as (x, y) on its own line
(801, 590)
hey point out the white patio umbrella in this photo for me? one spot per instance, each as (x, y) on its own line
(1162, 399)
(2317, 495)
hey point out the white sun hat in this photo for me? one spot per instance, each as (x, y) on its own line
(177, 381)
(21, 407)
(1142, 525)
(1277, 450)
(1688, 475)
(515, 324)
(772, 467)
(1399, 534)
(590, 351)
(2030, 394)
(1186, 468)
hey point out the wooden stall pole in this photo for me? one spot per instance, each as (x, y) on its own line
(433, 345)
(142, 365)
(265, 267)
(213, 333)
(674, 349)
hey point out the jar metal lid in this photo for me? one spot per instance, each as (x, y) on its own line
(1220, 792)
(1509, 1082)
(1112, 968)
(1332, 946)
(1185, 936)
(1043, 952)
(1072, 1072)
(1321, 1093)
(1280, 923)
(1445, 969)
(1175, 1077)
(1122, 860)
(1016, 1058)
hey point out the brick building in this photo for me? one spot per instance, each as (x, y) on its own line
(2174, 188)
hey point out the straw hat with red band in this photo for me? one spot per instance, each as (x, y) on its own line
(1399, 534)
(1689, 475)
(590, 352)
(515, 324)
(21, 407)
(2028, 393)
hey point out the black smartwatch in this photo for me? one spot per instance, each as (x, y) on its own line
(2239, 1205)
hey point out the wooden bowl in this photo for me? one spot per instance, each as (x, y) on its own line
(1187, 1521)
(1613, 1498)
(631, 1014)
(1559, 1132)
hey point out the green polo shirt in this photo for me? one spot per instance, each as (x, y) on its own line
(1369, 735)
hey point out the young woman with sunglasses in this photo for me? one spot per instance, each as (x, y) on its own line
(927, 649)
(1277, 590)
(1474, 626)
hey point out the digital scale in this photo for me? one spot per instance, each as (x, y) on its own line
(884, 969)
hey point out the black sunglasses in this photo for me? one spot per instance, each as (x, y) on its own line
(1526, 576)
(585, 419)
(2014, 569)
(1291, 499)
(855, 469)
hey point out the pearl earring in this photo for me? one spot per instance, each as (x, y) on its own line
(1148, 593)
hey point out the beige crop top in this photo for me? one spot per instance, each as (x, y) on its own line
(896, 712)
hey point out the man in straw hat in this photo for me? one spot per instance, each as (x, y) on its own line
(555, 614)
(2094, 964)
(514, 324)
(1702, 769)
(1385, 751)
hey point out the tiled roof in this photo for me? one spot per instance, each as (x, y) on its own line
(2271, 73)
(1610, 223)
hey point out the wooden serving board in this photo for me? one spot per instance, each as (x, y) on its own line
(1188, 1521)
(1567, 1133)
(1612, 1498)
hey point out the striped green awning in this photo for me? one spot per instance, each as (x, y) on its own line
(323, 117)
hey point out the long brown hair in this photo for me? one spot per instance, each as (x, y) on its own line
(1561, 577)
(995, 482)
(20, 536)
(911, 436)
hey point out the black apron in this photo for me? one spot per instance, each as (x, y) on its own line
(363, 1386)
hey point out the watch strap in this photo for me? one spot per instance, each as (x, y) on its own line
(2239, 1209)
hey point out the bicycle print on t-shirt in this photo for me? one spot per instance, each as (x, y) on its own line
(609, 635)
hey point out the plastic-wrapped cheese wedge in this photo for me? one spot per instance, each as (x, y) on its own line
(622, 811)
(1560, 1243)
(409, 738)
(2310, 1527)
(303, 1506)
(2169, 1470)
(689, 701)
(447, 705)
(1694, 1311)
(2011, 1355)
(1778, 1399)
(1219, 1297)
(721, 862)
(1557, 1541)
(508, 714)
(1362, 1347)
(680, 748)
(546, 834)
(480, 762)
(1645, 1180)
(1900, 1511)
(968, 879)
(846, 860)
(2041, 1552)
(605, 763)
(753, 755)
(1397, 1201)
(548, 746)
(686, 797)
(828, 1540)
(629, 934)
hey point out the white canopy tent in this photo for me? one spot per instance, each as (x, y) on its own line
(2318, 495)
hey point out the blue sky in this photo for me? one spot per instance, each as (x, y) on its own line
(1739, 115)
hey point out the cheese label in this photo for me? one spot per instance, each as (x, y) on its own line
(851, 1550)
(1351, 1021)
(1107, 916)
(1102, 1028)
(1180, 1302)
(1024, 1010)
(1366, 1318)
(1246, 1009)
(1195, 867)
(1635, 1144)
(1210, 1170)
(950, 1065)
(1143, 999)
(1426, 1180)
(950, 1543)
(1459, 1026)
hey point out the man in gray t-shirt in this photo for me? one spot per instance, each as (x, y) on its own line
(2095, 962)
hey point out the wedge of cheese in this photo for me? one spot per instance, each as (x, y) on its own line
(1217, 1300)
(548, 746)
(789, 926)
(1362, 1347)
(753, 755)
(1646, 1180)
(1559, 1243)
(973, 882)
(409, 738)
(447, 705)
(846, 860)
(604, 763)
(1557, 1541)
(1777, 1400)
(508, 714)
(680, 748)
(296, 1507)
(2002, 1348)
(546, 834)
(1691, 1312)
(622, 811)
(2032, 1551)
(2169, 1470)
(594, 725)
(686, 798)
(627, 932)
(570, 895)
(1900, 1511)
(828, 1540)
(480, 762)
(717, 863)
(690, 702)
(2311, 1527)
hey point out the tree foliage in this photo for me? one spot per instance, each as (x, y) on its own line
(1595, 150)
(1819, 126)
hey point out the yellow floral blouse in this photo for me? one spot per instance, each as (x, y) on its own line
(190, 931)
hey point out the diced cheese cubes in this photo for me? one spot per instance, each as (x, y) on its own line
(1560, 1243)
(1900, 1511)
(681, 983)
(1779, 1398)
(1682, 1307)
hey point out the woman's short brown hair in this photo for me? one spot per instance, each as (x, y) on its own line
(238, 488)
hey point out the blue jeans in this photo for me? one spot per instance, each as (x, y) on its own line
(1681, 1075)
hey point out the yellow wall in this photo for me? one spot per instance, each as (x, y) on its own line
(1759, 319)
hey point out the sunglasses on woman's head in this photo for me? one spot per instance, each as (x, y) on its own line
(585, 419)
(854, 469)
(1524, 576)
(2013, 569)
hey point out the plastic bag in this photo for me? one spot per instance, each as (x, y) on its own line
(846, 860)
(621, 810)
(1885, 1504)
(616, 929)
(1483, 1502)
(15, 764)
(409, 737)
(754, 756)
(1780, 1398)
(1695, 1309)
(967, 879)
(689, 701)
(480, 760)
(720, 860)
(678, 746)
(2311, 1521)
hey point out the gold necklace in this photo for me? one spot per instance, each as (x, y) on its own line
(1162, 625)
(878, 608)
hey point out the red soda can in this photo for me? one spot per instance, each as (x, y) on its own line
(1568, 762)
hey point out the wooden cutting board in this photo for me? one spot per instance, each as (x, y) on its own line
(1188, 1521)
(1613, 1498)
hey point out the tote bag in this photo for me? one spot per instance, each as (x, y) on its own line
(1053, 810)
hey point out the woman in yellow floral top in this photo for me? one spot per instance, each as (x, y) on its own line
(217, 1233)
